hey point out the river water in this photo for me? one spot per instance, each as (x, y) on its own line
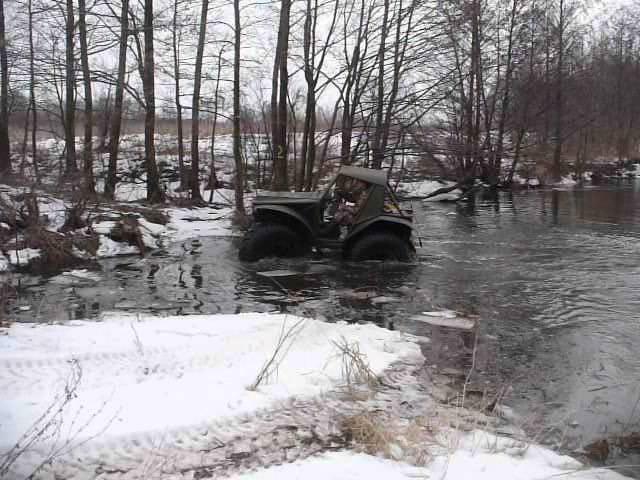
(553, 276)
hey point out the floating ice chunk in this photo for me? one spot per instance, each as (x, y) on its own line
(279, 273)
(460, 323)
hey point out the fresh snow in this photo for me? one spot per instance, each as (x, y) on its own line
(143, 381)
(150, 374)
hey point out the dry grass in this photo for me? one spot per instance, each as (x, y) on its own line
(356, 372)
(285, 339)
(377, 433)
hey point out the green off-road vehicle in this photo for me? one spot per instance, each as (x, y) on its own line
(358, 214)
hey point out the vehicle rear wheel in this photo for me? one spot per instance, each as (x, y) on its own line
(381, 246)
(271, 240)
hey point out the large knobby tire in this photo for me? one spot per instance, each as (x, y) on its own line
(381, 246)
(271, 240)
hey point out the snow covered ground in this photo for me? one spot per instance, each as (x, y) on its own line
(177, 397)
(132, 379)
(478, 456)
(183, 223)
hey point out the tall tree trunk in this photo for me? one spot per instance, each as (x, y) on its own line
(176, 77)
(70, 102)
(506, 95)
(24, 140)
(237, 141)
(398, 62)
(32, 94)
(547, 84)
(105, 117)
(154, 194)
(378, 153)
(275, 132)
(195, 107)
(312, 74)
(5, 147)
(89, 183)
(310, 111)
(280, 180)
(557, 152)
(116, 117)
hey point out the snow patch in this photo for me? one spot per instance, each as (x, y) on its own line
(110, 248)
(187, 223)
(484, 456)
(23, 256)
(477, 456)
(78, 276)
(565, 182)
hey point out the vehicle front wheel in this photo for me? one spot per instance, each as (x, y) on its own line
(271, 240)
(381, 246)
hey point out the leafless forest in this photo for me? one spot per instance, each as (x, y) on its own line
(475, 89)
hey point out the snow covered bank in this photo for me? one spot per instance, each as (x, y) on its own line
(101, 234)
(131, 378)
(478, 456)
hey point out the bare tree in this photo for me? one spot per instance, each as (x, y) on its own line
(32, 92)
(559, 95)
(175, 34)
(5, 149)
(312, 72)
(237, 139)
(279, 108)
(154, 193)
(195, 109)
(71, 168)
(116, 117)
(87, 154)
(213, 180)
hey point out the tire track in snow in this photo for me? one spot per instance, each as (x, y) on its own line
(30, 375)
(293, 430)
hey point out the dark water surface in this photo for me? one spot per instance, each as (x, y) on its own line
(554, 277)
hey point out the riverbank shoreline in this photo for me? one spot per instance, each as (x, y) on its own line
(221, 396)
